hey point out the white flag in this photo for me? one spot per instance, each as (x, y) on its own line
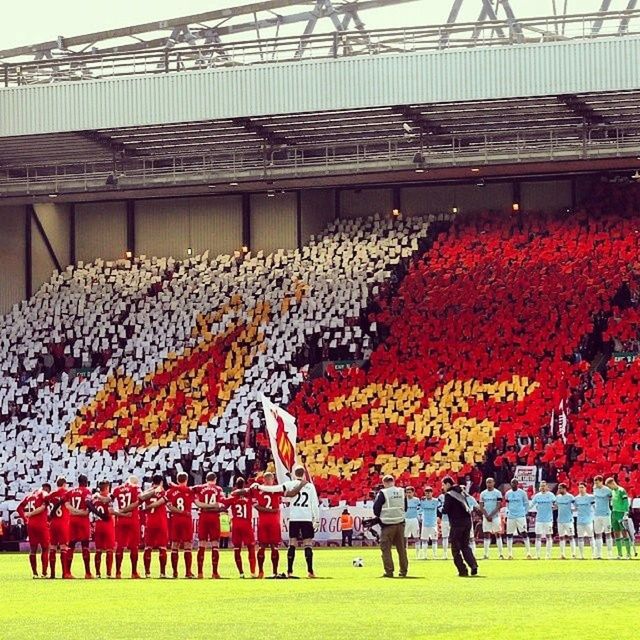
(283, 434)
(562, 422)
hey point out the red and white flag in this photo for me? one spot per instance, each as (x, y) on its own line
(283, 434)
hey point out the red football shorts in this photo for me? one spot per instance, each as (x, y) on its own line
(208, 529)
(181, 530)
(156, 537)
(269, 530)
(59, 531)
(105, 536)
(79, 529)
(242, 533)
(39, 534)
(127, 534)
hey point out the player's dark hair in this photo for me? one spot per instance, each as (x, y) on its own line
(83, 481)
(103, 484)
(60, 482)
(448, 480)
(156, 479)
(582, 484)
(299, 472)
(211, 476)
(598, 478)
(410, 489)
(46, 485)
(240, 483)
(182, 477)
(562, 485)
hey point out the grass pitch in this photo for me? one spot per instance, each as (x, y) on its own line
(586, 600)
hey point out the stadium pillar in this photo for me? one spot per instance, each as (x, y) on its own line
(299, 218)
(45, 239)
(131, 226)
(28, 262)
(72, 233)
(516, 195)
(246, 220)
(396, 197)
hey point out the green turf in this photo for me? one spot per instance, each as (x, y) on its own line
(517, 599)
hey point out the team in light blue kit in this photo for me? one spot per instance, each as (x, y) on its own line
(602, 517)
(429, 534)
(566, 529)
(584, 518)
(490, 505)
(517, 509)
(543, 502)
(412, 520)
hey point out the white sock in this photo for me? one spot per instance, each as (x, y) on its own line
(549, 546)
(510, 545)
(563, 545)
(573, 547)
(499, 543)
(472, 544)
(487, 542)
(598, 547)
(610, 547)
(445, 546)
(527, 546)
(434, 544)
(538, 546)
(592, 542)
(581, 548)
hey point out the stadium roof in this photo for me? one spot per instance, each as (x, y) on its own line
(381, 101)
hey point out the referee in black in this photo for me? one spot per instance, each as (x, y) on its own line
(459, 512)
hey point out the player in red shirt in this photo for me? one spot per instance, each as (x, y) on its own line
(127, 499)
(241, 508)
(179, 503)
(269, 531)
(59, 528)
(156, 529)
(79, 523)
(105, 532)
(33, 511)
(209, 499)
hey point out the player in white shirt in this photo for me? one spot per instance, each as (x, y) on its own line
(412, 520)
(304, 516)
(490, 504)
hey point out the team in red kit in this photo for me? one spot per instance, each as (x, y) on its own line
(57, 521)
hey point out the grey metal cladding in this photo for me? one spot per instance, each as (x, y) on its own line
(477, 73)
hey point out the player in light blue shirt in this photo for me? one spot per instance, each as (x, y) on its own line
(584, 511)
(411, 520)
(445, 528)
(602, 517)
(429, 533)
(544, 502)
(490, 504)
(517, 508)
(473, 506)
(566, 530)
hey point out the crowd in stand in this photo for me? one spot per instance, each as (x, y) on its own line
(136, 365)
(529, 295)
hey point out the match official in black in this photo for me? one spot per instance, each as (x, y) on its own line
(459, 512)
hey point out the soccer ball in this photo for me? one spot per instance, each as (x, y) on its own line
(358, 562)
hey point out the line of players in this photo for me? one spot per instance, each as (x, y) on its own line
(57, 521)
(604, 513)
